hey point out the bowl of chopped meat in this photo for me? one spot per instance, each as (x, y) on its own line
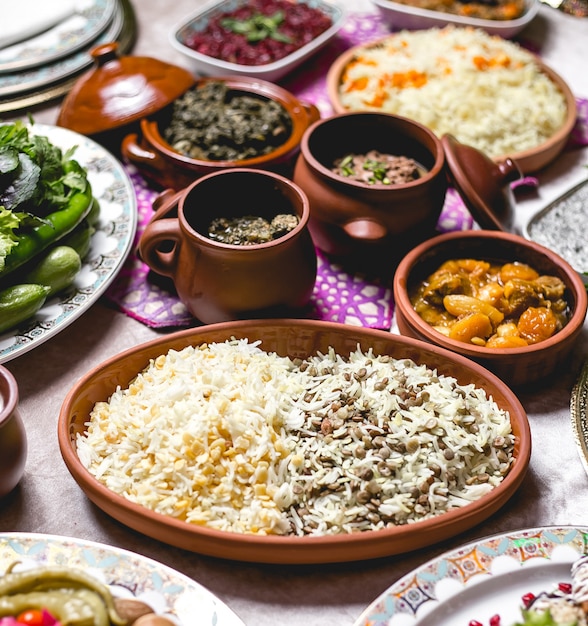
(510, 304)
(220, 123)
(376, 184)
(264, 39)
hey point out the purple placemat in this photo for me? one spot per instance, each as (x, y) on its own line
(338, 296)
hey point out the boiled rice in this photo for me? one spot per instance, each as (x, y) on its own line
(486, 91)
(228, 436)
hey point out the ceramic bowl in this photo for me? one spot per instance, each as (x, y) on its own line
(528, 160)
(13, 440)
(357, 220)
(203, 64)
(296, 338)
(399, 16)
(160, 162)
(519, 367)
(117, 92)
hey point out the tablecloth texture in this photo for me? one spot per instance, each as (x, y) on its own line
(338, 296)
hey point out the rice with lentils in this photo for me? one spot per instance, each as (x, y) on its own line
(486, 91)
(228, 436)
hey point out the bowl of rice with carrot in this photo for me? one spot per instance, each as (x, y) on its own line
(294, 441)
(488, 92)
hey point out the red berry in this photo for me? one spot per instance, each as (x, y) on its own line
(527, 599)
(565, 587)
(495, 620)
(475, 623)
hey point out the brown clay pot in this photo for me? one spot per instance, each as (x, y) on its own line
(222, 282)
(161, 163)
(117, 92)
(519, 367)
(350, 218)
(13, 441)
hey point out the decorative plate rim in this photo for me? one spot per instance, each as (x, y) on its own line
(174, 593)
(413, 596)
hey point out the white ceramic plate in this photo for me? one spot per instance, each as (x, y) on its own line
(111, 243)
(206, 65)
(480, 579)
(91, 17)
(18, 82)
(167, 591)
(400, 16)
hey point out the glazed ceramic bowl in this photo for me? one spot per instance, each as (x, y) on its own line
(524, 366)
(160, 162)
(219, 278)
(528, 160)
(13, 440)
(294, 338)
(112, 97)
(404, 15)
(358, 220)
(204, 64)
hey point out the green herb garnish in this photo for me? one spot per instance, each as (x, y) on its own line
(378, 169)
(258, 27)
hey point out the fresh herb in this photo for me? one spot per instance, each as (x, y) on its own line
(379, 170)
(346, 166)
(258, 27)
(36, 179)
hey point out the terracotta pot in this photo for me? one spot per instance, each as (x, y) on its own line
(350, 218)
(13, 441)
(221, 282)
(517, 366)
(160, 162)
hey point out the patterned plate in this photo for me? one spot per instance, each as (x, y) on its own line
(579, 414)
(168, 592)
(480, 579)
(90, 19)
(15, 82)
(111, 243)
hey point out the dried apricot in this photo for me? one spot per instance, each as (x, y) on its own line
(537, 324)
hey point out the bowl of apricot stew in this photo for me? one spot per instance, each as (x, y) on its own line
(509, 304)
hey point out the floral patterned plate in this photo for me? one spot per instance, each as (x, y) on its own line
(111, 243)
(480, 579)
(168, 592)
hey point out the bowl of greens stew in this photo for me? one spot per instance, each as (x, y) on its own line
(220, 123)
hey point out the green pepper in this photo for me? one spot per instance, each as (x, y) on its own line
(20, 302)
(57, 225)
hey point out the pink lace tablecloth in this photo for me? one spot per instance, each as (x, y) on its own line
(338, 296)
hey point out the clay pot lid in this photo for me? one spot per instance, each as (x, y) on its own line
(120, 90)
(483, 184)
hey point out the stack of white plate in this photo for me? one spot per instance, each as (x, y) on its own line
(49, 42)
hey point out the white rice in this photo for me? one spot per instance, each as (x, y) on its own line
(486, 91)
(227, 436)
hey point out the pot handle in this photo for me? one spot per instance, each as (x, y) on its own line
(312, 111)
(159, 246)
(136, 153)
(365, 230)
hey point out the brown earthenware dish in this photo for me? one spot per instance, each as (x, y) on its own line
(529, 160)
(13, 441)
(351, 218)
(522, 366)
(295, 338)
(159, 161)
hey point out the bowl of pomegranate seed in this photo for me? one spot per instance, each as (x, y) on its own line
(261, 38)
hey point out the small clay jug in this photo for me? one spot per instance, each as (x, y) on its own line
(220, 281)
(13, 441)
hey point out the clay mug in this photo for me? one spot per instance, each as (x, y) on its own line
(220, 281)
(13, 441)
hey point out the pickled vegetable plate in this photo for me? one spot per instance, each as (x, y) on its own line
(480, 579)
(168, 592)
(110, 245)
